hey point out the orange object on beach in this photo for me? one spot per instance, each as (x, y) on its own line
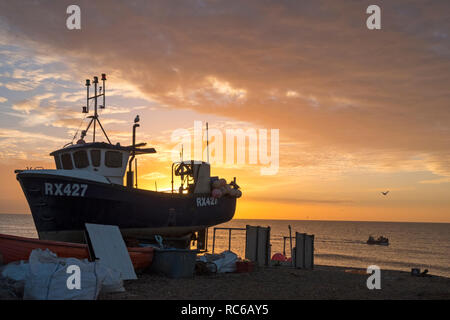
(14, 248)
(279, 257)
(244, 266)
(356, 271)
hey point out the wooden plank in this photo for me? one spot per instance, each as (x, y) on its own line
(257, 245)
(299, 250)
(262, 247)
(109, 247)
(250, 243)
(309, 251)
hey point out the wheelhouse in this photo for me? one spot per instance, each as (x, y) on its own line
(101, 158)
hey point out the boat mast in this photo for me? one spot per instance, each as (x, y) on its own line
(98, 92)
(207, 143)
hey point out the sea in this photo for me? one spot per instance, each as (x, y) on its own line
(336, 243)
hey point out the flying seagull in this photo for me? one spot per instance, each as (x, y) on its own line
(385, 193)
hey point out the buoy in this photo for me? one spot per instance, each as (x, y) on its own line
(216, 184)
(224, 190)
(279, 257)
(216, 193)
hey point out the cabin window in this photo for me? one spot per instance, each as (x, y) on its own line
(95, 158)
(58, 162)
(81, 159)
(66, 160)
(113, 159)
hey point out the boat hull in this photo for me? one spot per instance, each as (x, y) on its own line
(61, 205)
(14, 248)
(378, 243)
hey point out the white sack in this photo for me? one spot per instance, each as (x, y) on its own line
(48, 278)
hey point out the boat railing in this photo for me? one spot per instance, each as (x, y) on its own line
(28, 168)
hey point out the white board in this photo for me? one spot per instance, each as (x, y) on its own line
(110, 249)
(304, 251)
(309, 252)
(299, 250)
(257, 245)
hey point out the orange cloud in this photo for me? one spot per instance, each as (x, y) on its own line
(345, 99)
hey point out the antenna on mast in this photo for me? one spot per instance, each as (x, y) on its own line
(101, 93)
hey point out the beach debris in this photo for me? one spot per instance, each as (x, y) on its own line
(356, 271)
(278, 258)
(8, 289)
(12, 280)
(205, 268)
(112, 283)
(105, 243)
(304, 251)
(220, 263)
(416, 273)
(174, 263)
(16, 271)
(257, 245)
(244, 266)
(52, 278)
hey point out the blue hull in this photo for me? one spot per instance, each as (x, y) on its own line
(61, 206)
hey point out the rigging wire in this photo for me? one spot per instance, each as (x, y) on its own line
(76, 132)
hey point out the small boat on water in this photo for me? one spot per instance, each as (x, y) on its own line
(382, 241)
(14, 248)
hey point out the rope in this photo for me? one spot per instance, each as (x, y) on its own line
(75, 135)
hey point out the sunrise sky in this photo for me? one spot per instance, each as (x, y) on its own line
(358, 111)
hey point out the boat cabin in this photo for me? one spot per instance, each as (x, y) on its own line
(102, 158)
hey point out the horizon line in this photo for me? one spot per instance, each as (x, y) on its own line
(436, 222)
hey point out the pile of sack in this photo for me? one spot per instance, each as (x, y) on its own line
(220, 188)
(45, 276)
(219, 263)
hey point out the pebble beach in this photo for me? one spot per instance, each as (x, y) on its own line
(286, 283)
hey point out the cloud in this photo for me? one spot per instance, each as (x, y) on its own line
(436, 181)
(153, 176)
(26, 145)
(311, 69)
(299, 200)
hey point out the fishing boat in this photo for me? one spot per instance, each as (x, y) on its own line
(88, 186)
(14, 248)
(382, 241)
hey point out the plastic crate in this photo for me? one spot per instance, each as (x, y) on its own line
(244, 266)
(174, 263)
